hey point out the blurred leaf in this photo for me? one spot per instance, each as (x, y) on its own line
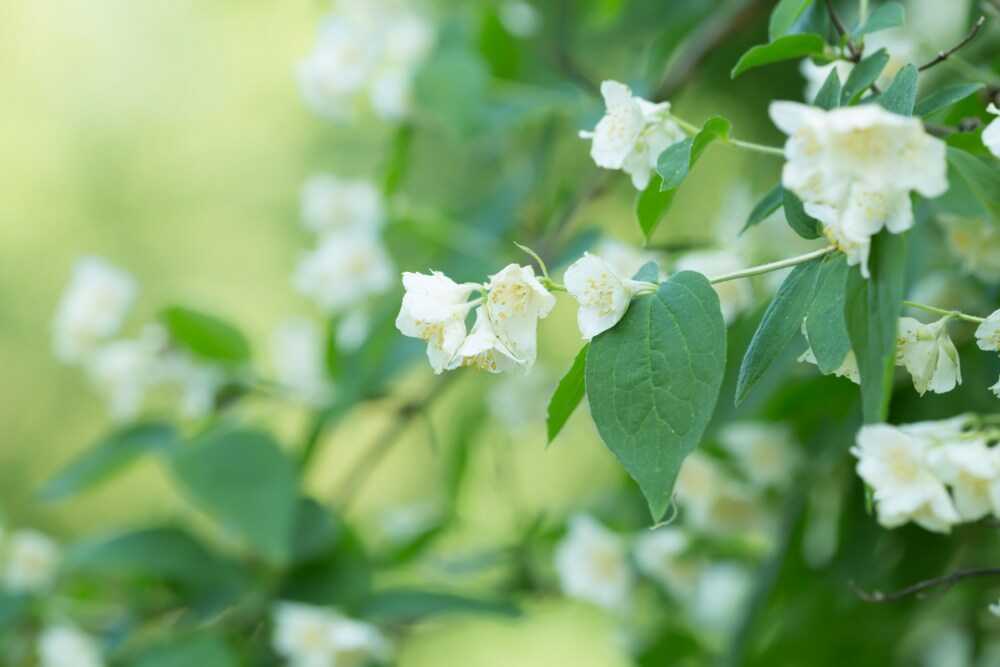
(863, 75)
(945, 97)
(828, 96)
(648, 272)
(826, 328)
(12, 608)
(243, 480)
(568, 394)
(901, 95)
(768, 204)
(653, 381)
(205, 336)
(978, 178)
(884, 17)
(201, 650)
(788, 47)
(407, 605)
(398, 161)
(781, 323)
(804, 224)
(783, 17)
(871, 310)
(451, 88)
(107, 457)
(652, 204)
(499, 48)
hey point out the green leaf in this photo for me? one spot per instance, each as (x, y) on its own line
(787, 47)
(206, 336)
(498, 47)
(871, 310)
(825, 325)
(828, 96)
(945, 97)
(782, 321)
(243, 480)
(864, 74)
(567, 395)
(978, 178)
(13, 607)
(107, 457)
(402, 605)
(398, 161)
(654, 379)
(768, 204)
(783, 17)
(804, 224)
(203, 650)
(901, 95)
(652, 204)
(889, 15)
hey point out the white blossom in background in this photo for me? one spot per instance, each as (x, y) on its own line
(344, 270)
(592, 564)
(948, 291)
(972, 470)
(519, 18)
(766, 452)
(198, 383)
(520, 400)
(515, 301)
(988, 333)
(735, 296)
(352, 330)
(66, 646)
(929, 355)
(660, 555)
(848, 367)
(995, 608)
(632, 134)
(991, 135)
(713, 502)
(976, 244)
(125, 370)
(434, 309)
(816, 75)
(900, 46)
(484, 350)
(31, 561)
(309, 636)
(298, 356)
(854, 169)
(623, 258)
(894, 463)
(332, 204)
(719, 596)
(405, 522)
(603, 295)
(92, 308)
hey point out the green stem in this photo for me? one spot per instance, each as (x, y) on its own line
(773, 266)
(945, 313)
(756, 148)
(862, 11)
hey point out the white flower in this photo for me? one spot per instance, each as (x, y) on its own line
(659, 554)
(519, 401)
(632, 133)
(603, 295)
(484, 349)
(991, 135)
(939, 431)
(124, 371)
(848, 367)
(894, 463)
(329, 204)
(972, 470)
(391, 90)
(623, 258)
(720, 595)
(854, 168)
(31, 561)
(66, 646)
(714, 503)
(199, 383)
(344, 270)
(988, 333)
(338, 67)
(298, 356)
(515, 301)
(928, 355)
(976, 243)
(995, 608)
(92, 308)
(766, 452)
(309, 636)
(434, 309)
(352, 330)
(592, 564)
(816, 75)
(901, 48)
(519, 17)
(735, 296)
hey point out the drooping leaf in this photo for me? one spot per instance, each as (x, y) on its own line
(498, 46)
(202, 649)
(107, 457)
(945, 97)
(768, 204)
(787, 47)
(652, 204)
(901, 95)
(804, 224)
(884, 17)
(781, 323)
(398, 161)
(245, 482)
(568, 395)
(828, 96)
(871, 311)
(825, 325)
(403, 605)
(977, 178)
(654, 379)
(205, 336)
(864, 74)
(783, 17)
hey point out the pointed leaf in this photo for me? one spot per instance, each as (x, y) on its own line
(864, 74)
(828, 96)
(783, 17)
(901, 95)
(768, 204)
(404, 605)
(205, 335)
(652, 204)
(804, 224)
(945, 97)
(787, 47)
(976, 178)
(825, 325)
(568, 395)
(889, 15)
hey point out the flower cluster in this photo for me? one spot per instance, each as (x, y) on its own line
(912, 467)
(67, 646)
(91, 312)
(30, 561)
(898, 45)
(365, 57)
(854, 169)
(632, 134)
(988, 340)
(309, 635)
(975, 241)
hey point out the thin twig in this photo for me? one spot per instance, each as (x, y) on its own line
(842, 31)
(773, 266)
(947, 580)
(944, 55)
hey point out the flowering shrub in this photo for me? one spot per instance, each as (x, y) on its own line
(763, 497)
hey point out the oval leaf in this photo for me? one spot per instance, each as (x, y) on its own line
(206, 336)
(825, 325)
(788, 47)
(901, 95)
(784, 15)
(864, 74)
(567, 395)
(804, 224)
(770, 203)
(889, 15)
(945, 97)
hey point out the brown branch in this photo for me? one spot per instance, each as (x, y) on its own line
(842, 31)
(947, 580)
(944, 55)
